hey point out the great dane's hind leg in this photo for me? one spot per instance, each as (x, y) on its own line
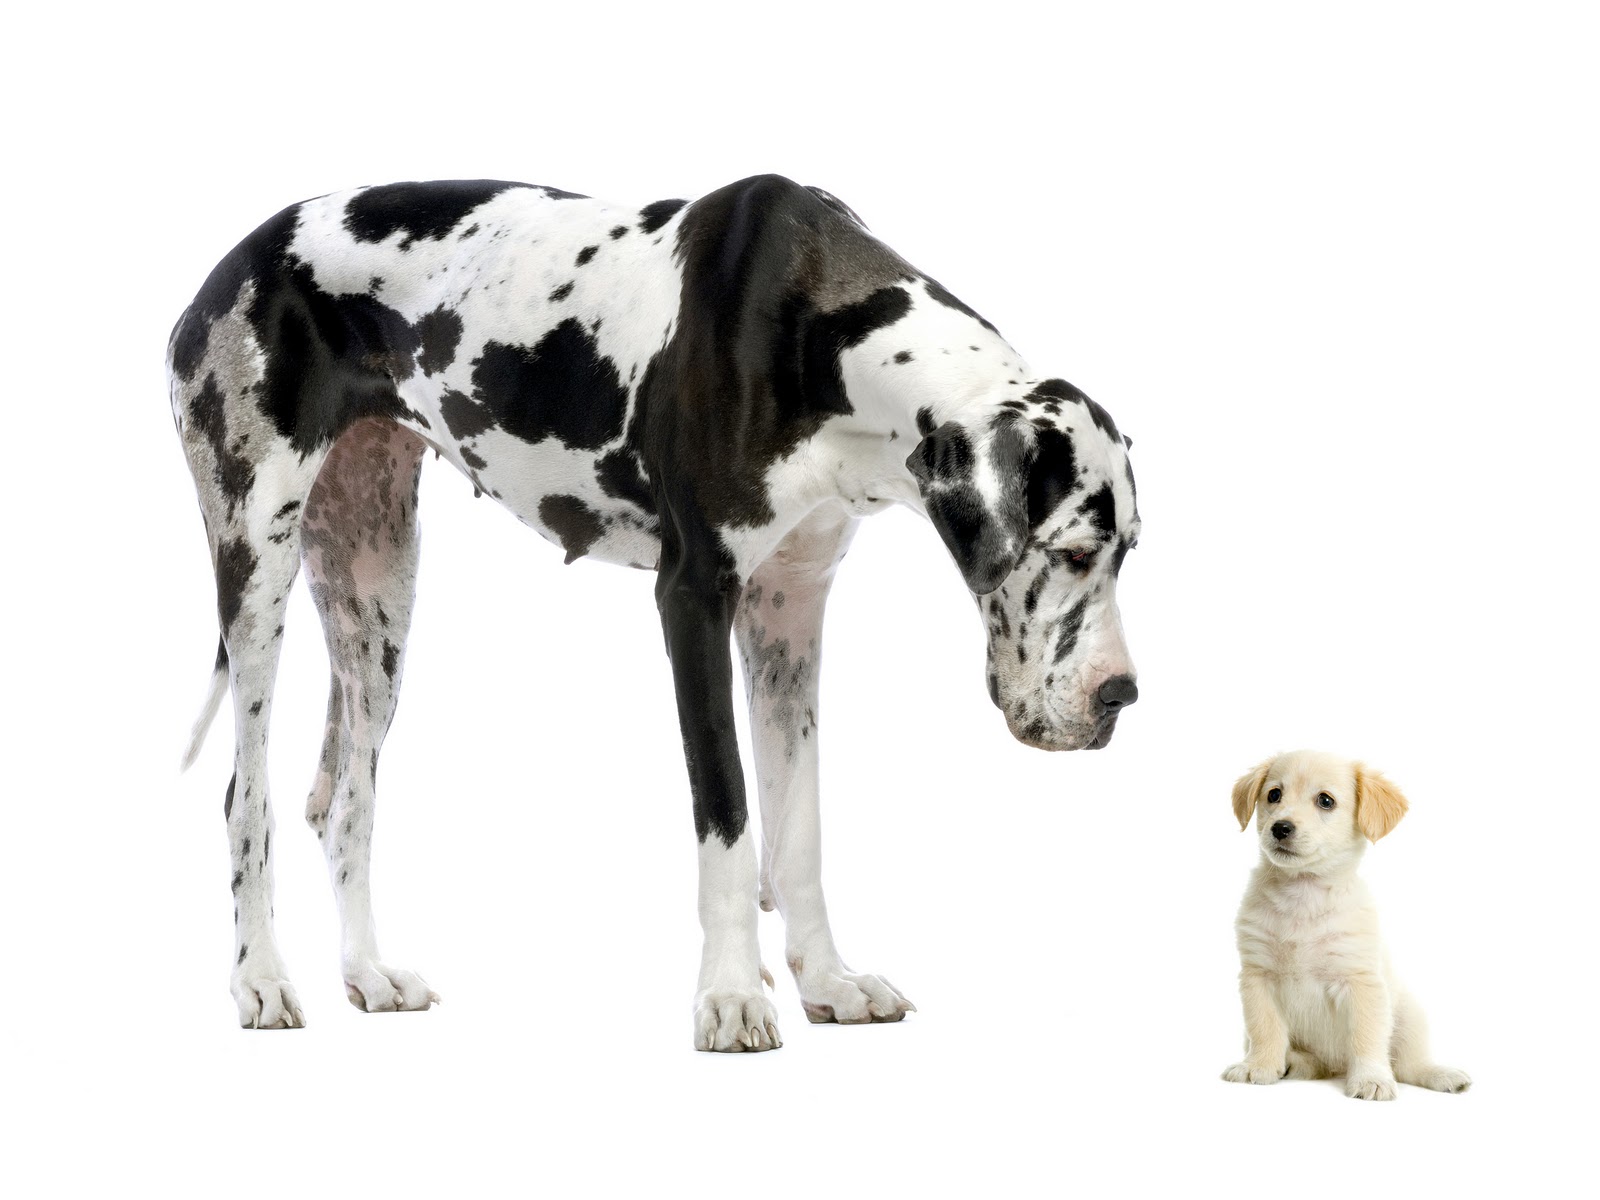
(731, 1012)
(779, 626)
(255, 548)
(251, 484)
(359, 545)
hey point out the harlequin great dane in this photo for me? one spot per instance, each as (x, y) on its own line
(715, 390)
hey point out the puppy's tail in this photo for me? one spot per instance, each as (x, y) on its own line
(208, 710)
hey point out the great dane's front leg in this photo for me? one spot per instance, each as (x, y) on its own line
(779, 625)
(731, 1012)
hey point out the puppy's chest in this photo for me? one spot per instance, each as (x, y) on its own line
(1318, 950)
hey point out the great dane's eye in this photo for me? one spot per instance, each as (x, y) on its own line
(1076, 558)
(1324, 802)
(1274, 795)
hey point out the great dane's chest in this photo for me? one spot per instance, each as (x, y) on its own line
(531, 330)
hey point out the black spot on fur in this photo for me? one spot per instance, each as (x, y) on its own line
(561, 293)
(1057, 390)
(463, 416)
(243, 949)
(227, 800)
(1070, 625)
(236, 564)
(472, 460)
(985, 543)
(427, 210)
(575, 524)
(654, 216)
(903, 356)
(937, 291)
(925, 421)
(619, 477)
(331, 360)
(439, 333)
(391, 658)
(617, 231)
(1101, 509)
(1052, 474)
(562, 387)
(235, 474)
(1030, 599)
(586, 254)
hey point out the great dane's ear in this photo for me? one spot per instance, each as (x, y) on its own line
(1247, 792)
(975, 491)
(1379, 804)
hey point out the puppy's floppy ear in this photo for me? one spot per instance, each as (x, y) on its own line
(986, 539)
(1247, 792)
(1379, 804)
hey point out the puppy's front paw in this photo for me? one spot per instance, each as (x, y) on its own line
(1363, 1086)
(1444, 1079)
(733, 1021)
(373, 987)
(1249, 1072)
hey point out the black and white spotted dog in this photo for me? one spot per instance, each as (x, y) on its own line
(714, 390)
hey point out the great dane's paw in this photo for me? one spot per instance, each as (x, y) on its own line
(731, 1021)
(1442, 1079)
(1249, 1072)
(840, 996)
(373, 987)
(1364, 1085)
(266, 1001)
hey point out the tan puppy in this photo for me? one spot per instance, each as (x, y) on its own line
(1320, 998)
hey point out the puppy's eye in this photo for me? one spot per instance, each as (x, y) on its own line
(1324, 802)
(1274, 795)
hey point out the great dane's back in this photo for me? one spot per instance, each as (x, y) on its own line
(714, 390)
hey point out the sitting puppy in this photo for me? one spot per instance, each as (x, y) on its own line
(1320, 998)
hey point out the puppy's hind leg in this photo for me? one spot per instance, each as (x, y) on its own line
(359, 544)
(1305, 1065)
(1409, 1051)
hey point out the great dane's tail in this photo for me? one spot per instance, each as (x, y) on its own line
(208, 710)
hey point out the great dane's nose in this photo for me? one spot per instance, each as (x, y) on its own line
(1282, 829)
(1118, 692)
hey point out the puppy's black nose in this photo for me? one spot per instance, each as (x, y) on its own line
(1118, 692)
(1282, 829)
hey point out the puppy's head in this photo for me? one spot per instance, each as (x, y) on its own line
(1315, 812)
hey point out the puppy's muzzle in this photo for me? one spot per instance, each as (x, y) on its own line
(1282, 829)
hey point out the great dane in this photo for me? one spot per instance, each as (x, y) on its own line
(715, 390)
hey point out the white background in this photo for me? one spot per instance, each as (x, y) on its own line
(1333, 268)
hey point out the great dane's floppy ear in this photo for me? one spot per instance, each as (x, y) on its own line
(1247, 792)
(976, 496)
(1379, 804)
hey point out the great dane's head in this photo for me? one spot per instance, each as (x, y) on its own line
(1035, 500)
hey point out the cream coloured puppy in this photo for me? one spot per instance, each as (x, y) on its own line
(1320, 998)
